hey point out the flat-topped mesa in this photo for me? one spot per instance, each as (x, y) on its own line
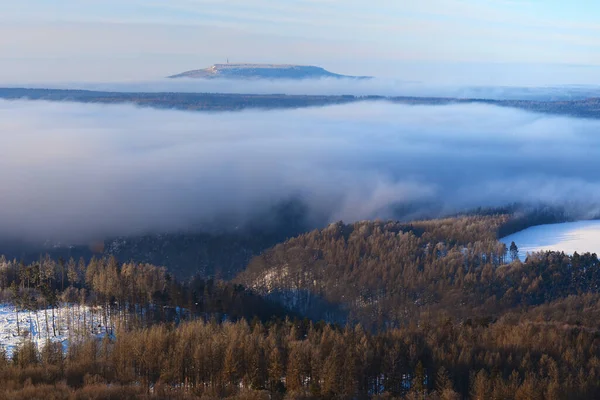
(250, 65)
(263, 71)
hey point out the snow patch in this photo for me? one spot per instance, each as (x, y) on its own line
(570, 237)
(71, 322)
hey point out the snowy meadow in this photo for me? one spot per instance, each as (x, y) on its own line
(570, 237)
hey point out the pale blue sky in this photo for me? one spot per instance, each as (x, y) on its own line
(145, 39)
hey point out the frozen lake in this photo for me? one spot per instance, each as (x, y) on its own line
(570, 237)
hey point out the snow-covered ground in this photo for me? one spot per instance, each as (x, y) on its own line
(70, 323)
(570, 237)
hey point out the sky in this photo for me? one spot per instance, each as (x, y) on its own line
(487, 41)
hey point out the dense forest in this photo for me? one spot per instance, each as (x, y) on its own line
(509, 359)
(435, 309)
(124, 295)
(384, 274)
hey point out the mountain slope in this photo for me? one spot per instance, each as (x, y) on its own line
(375, 272)
(263, 71)
(382, 274)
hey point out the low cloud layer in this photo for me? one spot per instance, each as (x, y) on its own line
(77, 172)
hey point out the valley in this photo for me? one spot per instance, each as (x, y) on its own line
(299, 200)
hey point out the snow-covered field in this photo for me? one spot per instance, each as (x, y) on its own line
(70, 323)
(570, 237)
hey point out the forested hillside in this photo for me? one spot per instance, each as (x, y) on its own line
(390, 274)
(434, 309)
(130, 295)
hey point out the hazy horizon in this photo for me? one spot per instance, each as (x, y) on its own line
(463, 42)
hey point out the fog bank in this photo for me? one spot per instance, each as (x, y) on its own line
(77, 172)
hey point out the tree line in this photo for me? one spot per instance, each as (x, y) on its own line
(304, 360)
(111, 293)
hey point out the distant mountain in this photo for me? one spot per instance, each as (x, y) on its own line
(263, 71)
